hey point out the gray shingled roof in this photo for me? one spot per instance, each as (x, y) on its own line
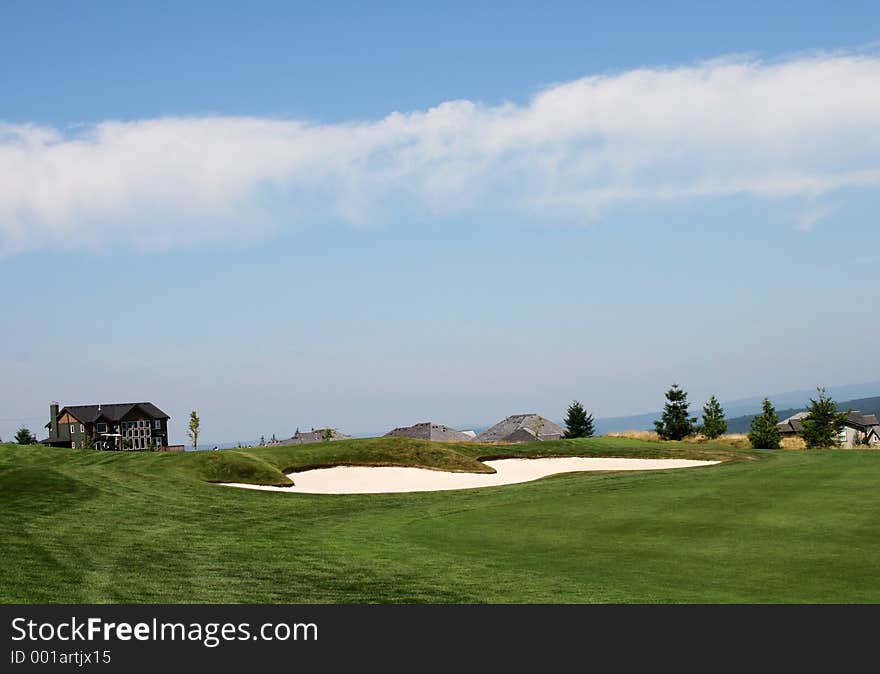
(794, 423)
(88, 414)
(503, 430)
(856, 418)
(429, 431)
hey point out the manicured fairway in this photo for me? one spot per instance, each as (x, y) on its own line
(80, 526)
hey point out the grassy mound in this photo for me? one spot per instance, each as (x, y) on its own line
(267, 465)
(371, 452)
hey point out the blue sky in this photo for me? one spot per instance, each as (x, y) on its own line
(218, 209)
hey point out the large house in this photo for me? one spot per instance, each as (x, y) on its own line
(430, 431)
(121, 426)
(856, 427)
(522, 428)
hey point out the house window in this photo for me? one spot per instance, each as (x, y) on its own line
(842, 436)
(102, 428)
(157, 424)
(73, 444)
(82, 429)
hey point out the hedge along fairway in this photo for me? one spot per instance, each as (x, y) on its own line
(82, 526)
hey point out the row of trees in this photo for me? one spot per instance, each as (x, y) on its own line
(821, 426)
(676, 423)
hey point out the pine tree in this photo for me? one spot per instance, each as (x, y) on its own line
(823, 424)
(764, 432)
(675, 423)
(24, 436)
(578, 422)
(714, 424)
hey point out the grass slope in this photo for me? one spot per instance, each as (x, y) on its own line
(82, 526)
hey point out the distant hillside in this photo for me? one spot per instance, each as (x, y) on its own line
(863, 405)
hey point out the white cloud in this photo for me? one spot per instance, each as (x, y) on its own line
(802, 127)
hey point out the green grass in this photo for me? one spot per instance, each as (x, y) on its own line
(82, 526)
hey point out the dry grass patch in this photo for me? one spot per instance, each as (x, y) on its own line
(740, 440)
(650, 436)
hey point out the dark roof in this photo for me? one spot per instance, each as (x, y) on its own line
(856, 418)
(88, 414)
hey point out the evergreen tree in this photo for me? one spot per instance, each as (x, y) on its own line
(24, 436)
(823, 424)
(764, 432)
(578, 422)
(675, 423)
(714, 423)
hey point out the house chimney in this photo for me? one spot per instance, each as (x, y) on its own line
(53, 419)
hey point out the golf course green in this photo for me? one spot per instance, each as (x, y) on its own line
(115, 527)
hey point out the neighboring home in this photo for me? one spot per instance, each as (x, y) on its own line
(118, 426)
(522, 428)
(308, 437)
(860, 426)
(428, 431)
(793, 425)
(857, 425)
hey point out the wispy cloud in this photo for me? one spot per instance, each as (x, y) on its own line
(806, 126)
(812, 215)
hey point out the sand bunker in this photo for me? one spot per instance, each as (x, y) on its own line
(389, 480)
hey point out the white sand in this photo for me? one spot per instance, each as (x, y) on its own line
(389, 480)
